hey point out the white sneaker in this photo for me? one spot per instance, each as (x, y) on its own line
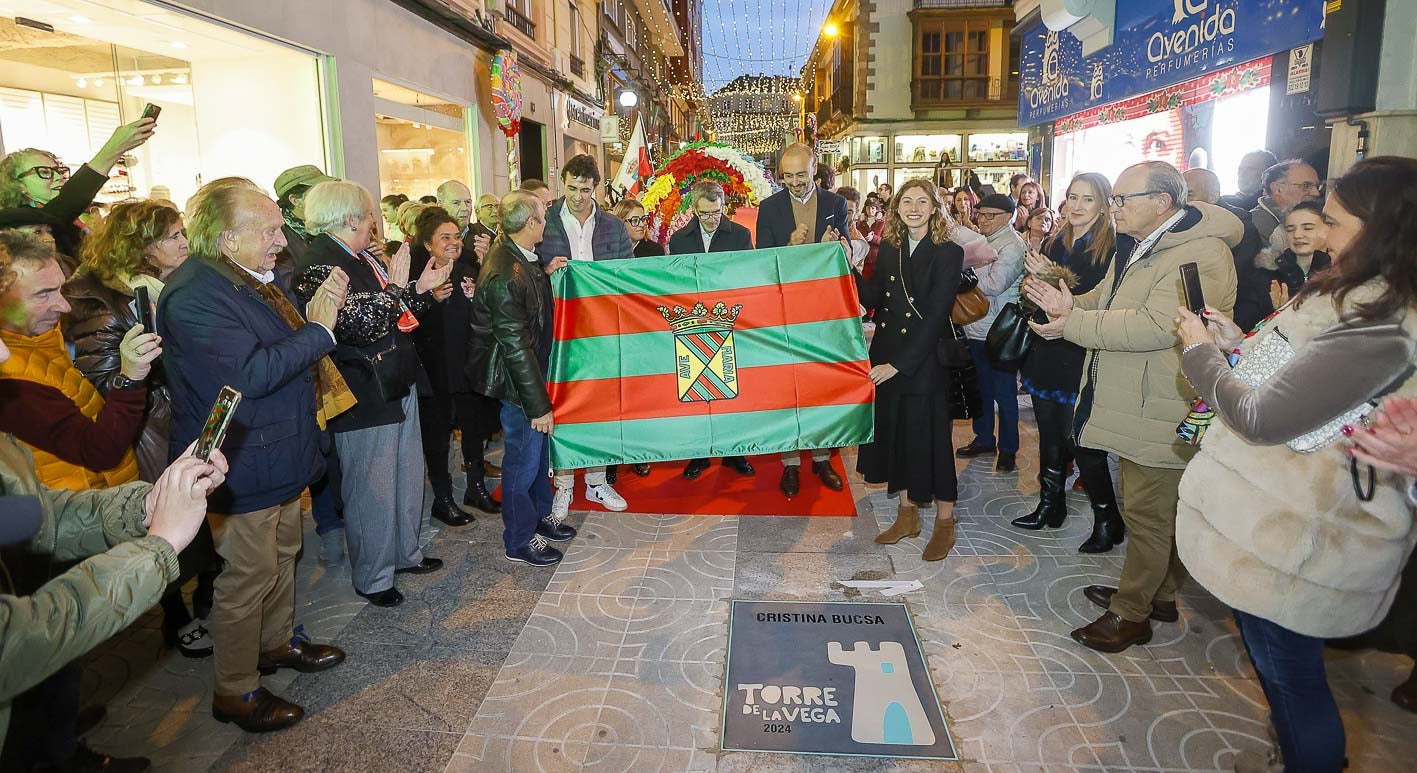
(561, 504)
(606, 495)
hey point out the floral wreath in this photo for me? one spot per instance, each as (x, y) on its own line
(666, 199)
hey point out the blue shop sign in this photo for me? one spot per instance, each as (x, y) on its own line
(1156, 44)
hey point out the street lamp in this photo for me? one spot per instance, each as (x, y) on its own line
(831, 30)
(629, 98)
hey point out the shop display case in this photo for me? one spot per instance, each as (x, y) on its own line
(867, 150)
(926, 148)
(990, 148)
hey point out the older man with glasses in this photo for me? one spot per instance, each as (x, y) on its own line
(1285, 184)
(1133, 394)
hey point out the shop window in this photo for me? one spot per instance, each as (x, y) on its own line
(918, 148)
(422, 141)
(67, 91)
(952, 61)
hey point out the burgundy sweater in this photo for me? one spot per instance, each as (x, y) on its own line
(44, 418)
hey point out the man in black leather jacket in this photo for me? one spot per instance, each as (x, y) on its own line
(509, 349)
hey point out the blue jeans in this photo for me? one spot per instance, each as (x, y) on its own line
(1305, 716)
(526, 487)
(995, 386)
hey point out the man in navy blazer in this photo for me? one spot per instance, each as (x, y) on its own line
(711, 231)
(577, 229)
(221, 325)
(802, 213)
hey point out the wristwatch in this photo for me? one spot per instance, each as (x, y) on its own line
(121, 381)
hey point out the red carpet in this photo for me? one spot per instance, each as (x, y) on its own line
(721, 491)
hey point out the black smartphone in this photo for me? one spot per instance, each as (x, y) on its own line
(144, 307)
(151, 111)
(1191, 284)
(214, 431)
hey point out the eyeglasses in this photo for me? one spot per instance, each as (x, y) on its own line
(1120, 200)
(987, 214)
(637, 220)
(47, 172)
(1307, 187)
(709, 215)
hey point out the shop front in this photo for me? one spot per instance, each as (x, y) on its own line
(69, 80)
(875, 156)
(580, 129)
(422, 141)
(1195, 85)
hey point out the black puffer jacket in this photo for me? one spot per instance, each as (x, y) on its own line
(102, 314)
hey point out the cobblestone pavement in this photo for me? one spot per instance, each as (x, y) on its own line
(614, 661)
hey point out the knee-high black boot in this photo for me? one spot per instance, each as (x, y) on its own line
(1108, 531)
(1052, 501)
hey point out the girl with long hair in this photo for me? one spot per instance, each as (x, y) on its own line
(1080, 255)
(913, 289)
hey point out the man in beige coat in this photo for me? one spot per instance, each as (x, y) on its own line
(1133, 395)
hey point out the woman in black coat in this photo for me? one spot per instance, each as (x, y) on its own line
(1081, 254)
(441, 340)
(637, 223)
(913, 290)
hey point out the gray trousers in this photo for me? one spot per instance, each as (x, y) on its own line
(382, 470)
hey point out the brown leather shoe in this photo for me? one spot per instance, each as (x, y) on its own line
(302, 655)
(828, 476)
(791, 482)
(257, 711)
(1111, 633)
(1161, 611)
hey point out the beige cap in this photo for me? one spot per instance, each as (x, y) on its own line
(306, 174)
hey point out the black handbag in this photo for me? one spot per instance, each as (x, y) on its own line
(385, 371)
(1010, 339)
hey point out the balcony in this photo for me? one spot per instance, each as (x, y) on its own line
(962, 92)
(577, 66)
(519, 21)
(963, 4)
(841, 104)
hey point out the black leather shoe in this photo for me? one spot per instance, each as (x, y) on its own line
(827, 474)
(1006, 462)
(642, 470)
(426, 566)
(477, 496)
(257, 711)
(384, 598)
(1108, 530)
(791, 482)
(85, 759)
(612, 473)
(1052, 507)
(740, 465)
(695, 468)
(974, 449)
(446, 511)
(537, 552)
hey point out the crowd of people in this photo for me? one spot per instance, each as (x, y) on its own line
(1266, 444)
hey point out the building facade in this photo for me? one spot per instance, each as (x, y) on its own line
(954, 117)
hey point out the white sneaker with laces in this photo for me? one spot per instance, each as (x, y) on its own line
(606, 495)
(561, 504)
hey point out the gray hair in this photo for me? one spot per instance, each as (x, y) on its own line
(1161, 177)
(1203, 184)
(27, 249)
(1279, 172)
(333, 203)
(706, 190)
(517, 208)
(216, 208)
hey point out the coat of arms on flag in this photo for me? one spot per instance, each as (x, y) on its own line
(717, 354)
(704, 360)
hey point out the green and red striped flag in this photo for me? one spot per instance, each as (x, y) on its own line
(708, 355)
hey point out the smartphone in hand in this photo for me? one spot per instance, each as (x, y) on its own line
(151, 111)
(1191, 285)
(214, 431)
(144, 308)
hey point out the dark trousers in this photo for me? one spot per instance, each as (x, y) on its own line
(44, 722)
(996, 387)
(473, 415)
(1301, 705)
(325, 505)
(526, 488)
(1056, 448)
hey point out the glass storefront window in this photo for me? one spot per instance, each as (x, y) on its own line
(998, 176)
(868, 150)
(926, 148)
(422, 141)
(107, 59)
(912, 173)
(867, 179)
(998, 147)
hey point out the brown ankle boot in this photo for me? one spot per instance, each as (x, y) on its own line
(942, 538)
(907, 524)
